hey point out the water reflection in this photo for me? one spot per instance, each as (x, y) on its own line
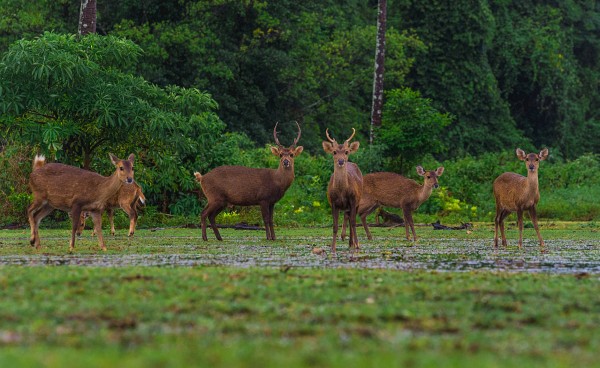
(570, 257)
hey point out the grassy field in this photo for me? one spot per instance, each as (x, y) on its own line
(167, 299)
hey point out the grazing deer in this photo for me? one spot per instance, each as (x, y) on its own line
(245, 186)
(517, 193)
(127, 198)
(394, 190)
(345, 185)
(75, 190)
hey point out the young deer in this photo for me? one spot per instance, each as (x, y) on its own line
(345, 185)
(394, 190)
(71, 189)
(245, 186)
(517, 193)
(128, 198)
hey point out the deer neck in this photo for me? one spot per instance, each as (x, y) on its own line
(531, 183)
(340, 176)
(110, 188)
(285, 175)
(424, 192)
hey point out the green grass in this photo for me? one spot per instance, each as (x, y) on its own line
(246, 302)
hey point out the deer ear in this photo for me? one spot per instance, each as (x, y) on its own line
(298, 150)
(420, 170)
(544, 154)
(327, 146)
(439, 171)
(275, 150)
(521, 155)
(114, 159)
(131, 158)
(354, 147)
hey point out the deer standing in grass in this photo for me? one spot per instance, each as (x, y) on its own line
(245, 186)
(345, 185)
(394, 190)
(517, 193)
(75, 190)
(127, 198)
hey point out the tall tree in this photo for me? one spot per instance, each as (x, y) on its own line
(87, 17)
(377, 104)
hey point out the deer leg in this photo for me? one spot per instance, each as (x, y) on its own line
(133, 217)
(502, 217)
(264, 210)
(81, 226)
(111, 219)
(34, 221)
(33, 209)
(353, 236)
(344, 223)
(211, 211)
(496, 226)
(533, 215)
(271, 225)
(75, 218)
(407, 222)
(520, 223)
(363, 219)
(97, 218)
(336, 214)
(411, 222)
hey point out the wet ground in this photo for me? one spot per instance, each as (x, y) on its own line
(446, 254)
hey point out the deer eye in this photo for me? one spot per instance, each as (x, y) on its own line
(335, 152)
(281, 155)
(291, 155)
(121, 168)
(346, 152)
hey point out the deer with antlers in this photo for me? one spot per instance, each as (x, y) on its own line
(71, 189)
(245, 186)
(517, 193)
(345, 185)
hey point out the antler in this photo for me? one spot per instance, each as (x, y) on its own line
(328, 137)
(298, 137)
(348, 140)
(275, 135)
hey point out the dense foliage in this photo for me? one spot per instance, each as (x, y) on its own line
(190, 85)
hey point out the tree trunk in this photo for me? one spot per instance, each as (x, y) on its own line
(377, 106)
(87, 17)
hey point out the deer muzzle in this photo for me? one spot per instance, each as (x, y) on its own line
(341, 162)
(129, 180)
(286, 163)
(436, 185)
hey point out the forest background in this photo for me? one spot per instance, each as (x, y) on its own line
(191, 85)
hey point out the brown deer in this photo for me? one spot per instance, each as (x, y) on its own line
(517, 193)
(128, 198)
(345, 185)
(245, 186)
(394, 190)
(71, 189)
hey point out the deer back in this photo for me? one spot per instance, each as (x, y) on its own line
(64, 186)
(244, 186)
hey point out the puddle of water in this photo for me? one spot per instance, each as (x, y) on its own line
(561, 256)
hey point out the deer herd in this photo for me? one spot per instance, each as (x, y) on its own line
(84, 193)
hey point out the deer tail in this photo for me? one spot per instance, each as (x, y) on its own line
(38, 162)
(198, 177)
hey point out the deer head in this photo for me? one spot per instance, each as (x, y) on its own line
(124, 168)
(430, 177)
(532, 160)
(286, 155)
(340, 152)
